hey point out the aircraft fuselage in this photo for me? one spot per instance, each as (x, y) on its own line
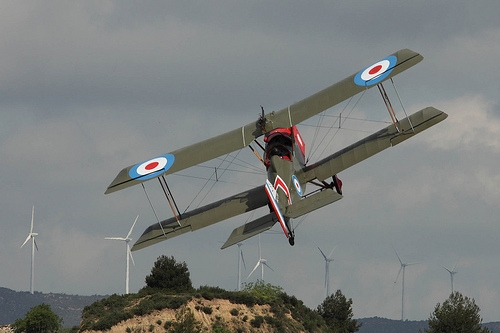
(284, 155)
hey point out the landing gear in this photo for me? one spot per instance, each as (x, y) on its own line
(291, 240)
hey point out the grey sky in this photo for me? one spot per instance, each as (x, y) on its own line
(87, 88)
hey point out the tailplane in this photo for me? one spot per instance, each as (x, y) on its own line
(250, 229)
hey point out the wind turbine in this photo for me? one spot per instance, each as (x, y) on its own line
(240, 259)
(327, 270)
(403, 266)
(128, 254)
(452, 272)
(31, 236)
(262, 262)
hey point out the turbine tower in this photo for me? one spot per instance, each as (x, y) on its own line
(403, 266)
(452, 272)
(262, 262)
(240, 260)
(327, 270)
(31, 236)
(128, 254)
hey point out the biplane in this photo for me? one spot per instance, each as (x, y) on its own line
(288, 174)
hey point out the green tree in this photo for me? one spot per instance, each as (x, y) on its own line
(337, 312)
(169, 274)
(39, 319)
(458, 314)
(265, 292)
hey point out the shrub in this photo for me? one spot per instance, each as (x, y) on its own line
(257, 321)
(265, 293)
(39, 318)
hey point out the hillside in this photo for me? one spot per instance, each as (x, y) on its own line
(208, 314)
(208, 308)
(235, 314)
(15, 304)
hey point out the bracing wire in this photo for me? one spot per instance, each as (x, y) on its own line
(342, 120)
(154, 211)
(214, 174)
(401, 103)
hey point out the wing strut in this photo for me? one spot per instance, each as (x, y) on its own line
(257, 154)
(388, 105)
(170, 199)
(390, 108)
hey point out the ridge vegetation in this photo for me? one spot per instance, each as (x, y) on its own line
(169, 303)
(260, 307)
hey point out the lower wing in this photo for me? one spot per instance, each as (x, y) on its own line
(203, 217)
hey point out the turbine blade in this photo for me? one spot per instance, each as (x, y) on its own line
(253, 270)
(32, 218)
(130, 232)
(27, 239)
(34, 241)
(453, 269)
(130, 254)
(400, 261)
(446, 269)
(264, 263)
(115, 238)
(413, 263)
(243, 260)
(322, 253)
(330, 255)
(399, 272)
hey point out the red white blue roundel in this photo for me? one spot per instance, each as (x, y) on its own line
(296, 183)
(152, 168)
(376, 72)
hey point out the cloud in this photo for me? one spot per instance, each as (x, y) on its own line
(471, 125)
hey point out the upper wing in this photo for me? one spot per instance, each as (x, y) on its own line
(372, 144)
(287, 117)
(203, 217)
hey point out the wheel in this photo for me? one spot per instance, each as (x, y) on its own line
(291, 240)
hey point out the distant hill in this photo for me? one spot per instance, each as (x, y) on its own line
(383, 325)
(15, 305)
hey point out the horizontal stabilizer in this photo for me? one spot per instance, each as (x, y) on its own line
(312, 202)
(250, 229)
